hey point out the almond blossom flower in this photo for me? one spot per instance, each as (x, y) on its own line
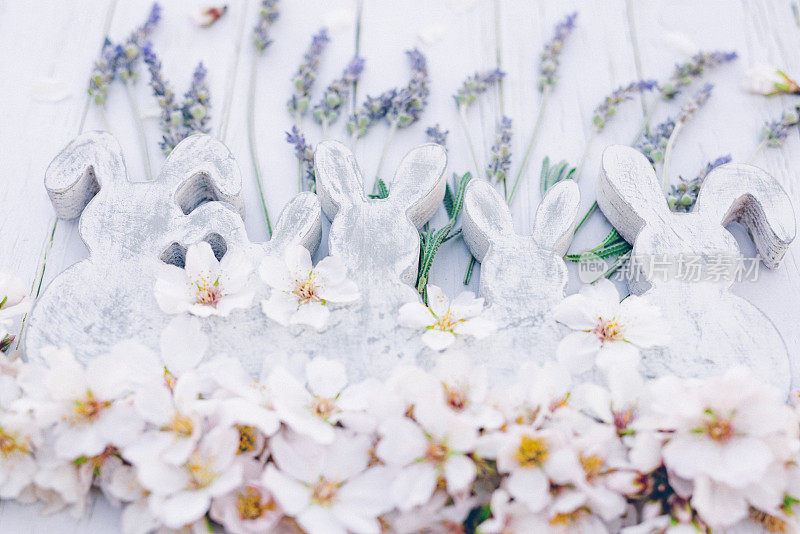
(205, 286)
(609, 333)
(444, 321)
(768, 80)
(301, 292)
(13, 303)
(18, 436)
(328, 488)
(429, 453)
(182, 494)
(250, 508)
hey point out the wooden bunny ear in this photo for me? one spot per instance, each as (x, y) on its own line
(89, 162)
(750, 196)
(298, 224)
(628, 191)
(339, 181)
(556, 217)
(201, 169)
(486, 218)
(419, 182)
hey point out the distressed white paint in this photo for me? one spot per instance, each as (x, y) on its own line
(40, 40)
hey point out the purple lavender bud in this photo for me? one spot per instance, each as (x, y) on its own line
(407, 104)
(104, 72)
(683, 196)
(548, 67)
(436, 135)
(775, 132)
(132, 47)
(196, 103)
(304, 154)
(476, 85)
(266, 18)
(608, 108)
(371, 111)
(686, 73)
(327, 111)
(500, 162)
(307, 73)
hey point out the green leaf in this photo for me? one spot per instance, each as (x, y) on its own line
(449, 201)
(552, 175)
(382, 191)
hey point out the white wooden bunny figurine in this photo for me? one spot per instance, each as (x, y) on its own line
(522, 277)
(711, 329)
(132, 228)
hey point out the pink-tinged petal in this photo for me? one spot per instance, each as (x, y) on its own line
(319, 520)
(200, 261)
(202, 310)
(370, 492)
(643, 324)
(477, 327)
(438, 339)
(347, 456)
(298, 457)
(171, 291)
(355, 519)
(280, 307)
(744, 461)
(465, 305)
(415, 315)
(605, 296)
(181, 508)
(236, 301)
(577, 312)
(236, 267)
(719, 506)
(691, 456)
(313, 314)
(342, 293)
(617, 355)
(273, 272)
(331, 271)
(293, 496)
(459, 471)
(530, 487)
(437, 300)
(577, 351)
(414, 485)
(326, 378)
(402, 442)
(298, 260)
(183, 344)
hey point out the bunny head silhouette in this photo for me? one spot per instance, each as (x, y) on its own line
(132, 228)
(522, 277)
(686, 262)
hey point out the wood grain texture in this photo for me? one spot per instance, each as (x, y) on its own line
(57, 39)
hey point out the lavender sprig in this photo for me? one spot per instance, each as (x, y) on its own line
(435, 134)
(682, 197)
(371, 111)
(685, 73)
(327, 111)
(196, 103)
(775, 132)
(133, 45)
(476, 85)
(104, 72)
(608, 108)
(304, 154)
(550, 56)
(500, 162)
(307, 73)
(266, 17)
(406, 105)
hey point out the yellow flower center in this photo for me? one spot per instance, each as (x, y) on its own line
(249, 504)
(436, 453)
(532, 452)
(445, 323)
(180, 425)
(208, 293)
(324, 492)
(769, 522)
(609, 330)
(456, 397)
(88, 409)
(718, 428)
(247, 439)
(307, 289)
(592, 466)
(10, 444)
(322, 407)
(200, 472)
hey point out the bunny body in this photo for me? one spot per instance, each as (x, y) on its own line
(132, 228)
(522, 277)
(711, 329)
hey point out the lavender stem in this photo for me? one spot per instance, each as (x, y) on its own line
(137, 118)
(758, 150)
(531, 143)
(668, 154)
(229, 90)
(582, 161)
(392, 130)
(462, 115)
(251, 137)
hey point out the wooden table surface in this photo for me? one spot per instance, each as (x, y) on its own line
(60, 40)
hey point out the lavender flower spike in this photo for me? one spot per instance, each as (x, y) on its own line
(266, 18)
(552, 51)
(407, 104)
(685, 73)
(500, 162)
(775, 132)
(436, 135)
(327, 111)
(371, 111)
(132, 47)
(608, 108)
(171, 115)
(307, 73)
(682, 197)
(476, 85)
(104, 72)
(304, 154)
(196, 103)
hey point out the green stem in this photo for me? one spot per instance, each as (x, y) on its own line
(300, 184)
(582, 162)
(668, 156)
(637, 59)
(757, 151)
(462, 115)
(229, 90)
(137, 118)
(251, 137)
(531, 143)
(614, 266)
(384, 151)
(586, 217)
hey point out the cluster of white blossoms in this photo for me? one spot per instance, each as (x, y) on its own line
(183, 438)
